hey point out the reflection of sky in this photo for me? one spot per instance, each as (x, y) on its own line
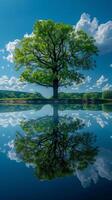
(97, 122)
(102, 168)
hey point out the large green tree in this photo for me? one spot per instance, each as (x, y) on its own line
(55, 149)
(55, 145)
(54, 55)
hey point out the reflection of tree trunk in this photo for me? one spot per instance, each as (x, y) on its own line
(55, 131)
(55, 89)
(55, 114)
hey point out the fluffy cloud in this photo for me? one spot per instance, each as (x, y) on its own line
(29, 35)
(102, 33)
(107, 87)
(12, 155)
(88, 79)
(12, 83)
(13, 119)
(101, 83)
(101, 80)
(90, 118)
(102, 168)
(10, 47)
(101, 122)
(86, 24)
(103, 37)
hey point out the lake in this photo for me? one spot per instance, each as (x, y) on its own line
(57, 152)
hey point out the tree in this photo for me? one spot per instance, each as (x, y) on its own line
(107, 94)
(53, 55)
(55, 146)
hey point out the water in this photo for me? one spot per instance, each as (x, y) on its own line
(56, 152)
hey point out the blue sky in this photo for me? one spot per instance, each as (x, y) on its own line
(18, 16)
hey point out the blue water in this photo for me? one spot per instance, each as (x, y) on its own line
(22, 176)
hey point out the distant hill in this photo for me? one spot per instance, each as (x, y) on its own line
(6, 94)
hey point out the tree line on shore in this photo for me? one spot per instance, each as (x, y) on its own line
(87, 95)
(4, 95)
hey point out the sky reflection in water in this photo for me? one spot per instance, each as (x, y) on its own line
(54, 144)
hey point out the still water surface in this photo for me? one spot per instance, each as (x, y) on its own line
(59, 152)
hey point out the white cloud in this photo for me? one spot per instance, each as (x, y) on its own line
(12, 155)
(101, 80)
(11, 83)
(87, 176)
(88, 79)
(10, 47)
(104, 37)
(85, 23)
(102, 33)
(102, 168)
(9, 58)
(29, 35)
(107, 87)
(101, 122)
(11, 144)
(91, 84)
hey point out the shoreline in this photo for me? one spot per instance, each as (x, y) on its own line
(55, 101)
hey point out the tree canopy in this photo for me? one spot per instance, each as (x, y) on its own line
(55, 149)
(54, 54)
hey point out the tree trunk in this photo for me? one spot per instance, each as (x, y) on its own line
(55, 114)
(55, 89)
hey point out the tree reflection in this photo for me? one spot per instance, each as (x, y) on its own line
(55, 146)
